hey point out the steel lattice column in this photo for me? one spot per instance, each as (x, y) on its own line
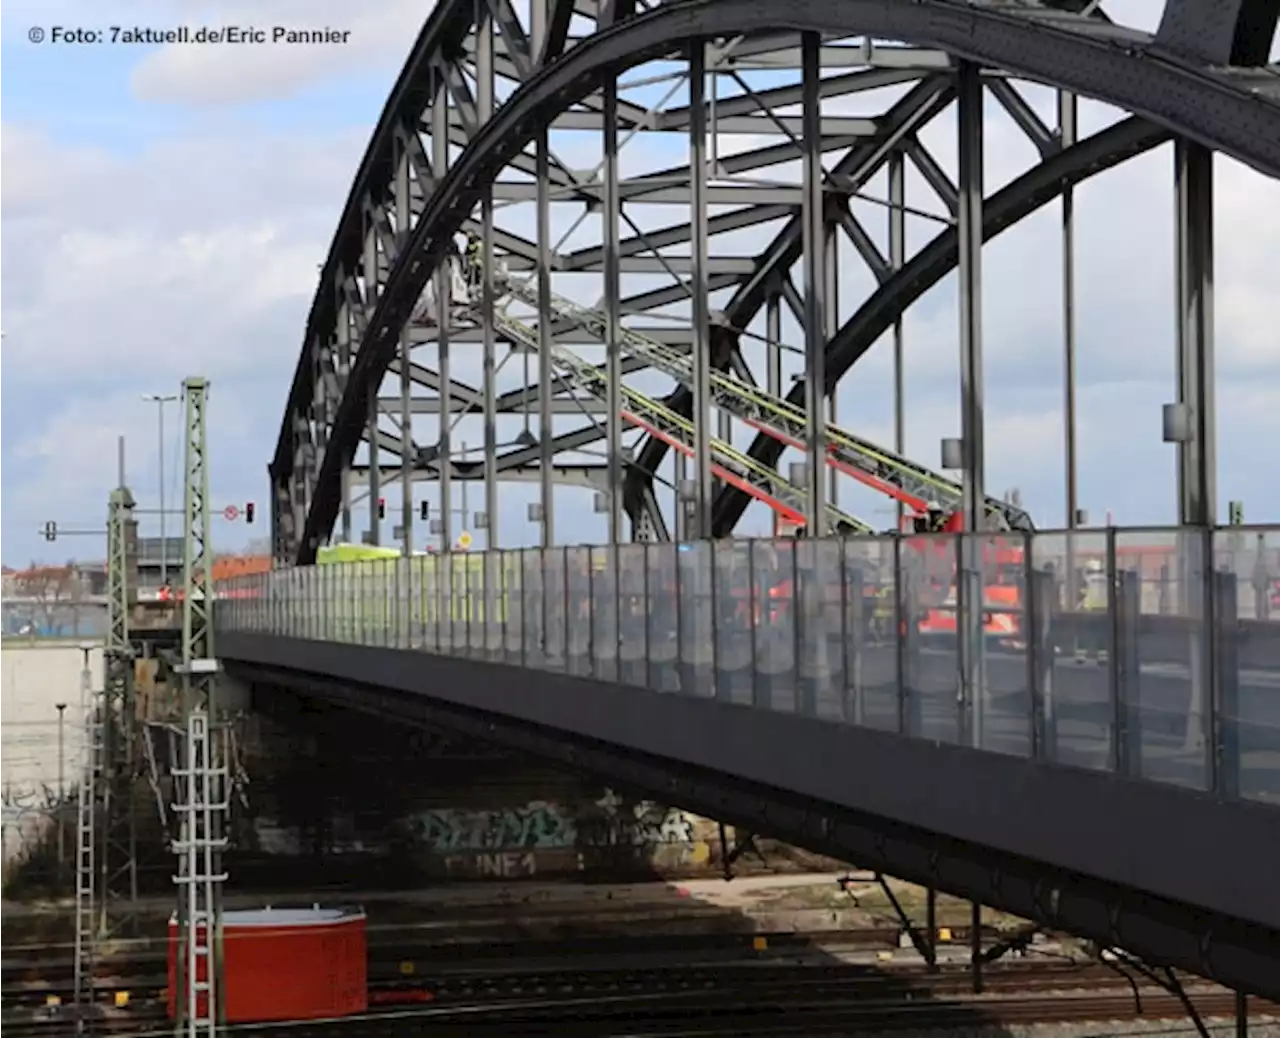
(202, 819)
(118, 861)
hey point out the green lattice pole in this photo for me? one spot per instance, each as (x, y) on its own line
(119, 850)
(202, 830)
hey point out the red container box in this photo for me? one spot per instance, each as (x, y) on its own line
(287, 964)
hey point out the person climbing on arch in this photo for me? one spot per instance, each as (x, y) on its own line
(471, 260)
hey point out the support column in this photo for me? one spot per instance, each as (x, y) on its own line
(1067, 137)
(444, 299)
(545, 431)
(773, 356)
(1197, 456)
(370, 271)
(1197, 452)
(1067, 130)
(375, 473)
(407, 459)
(201, 812)
(484, 100)
(702, 428)
(831, 325)
(344, 372)
(969, 103)
(897, 257)
(815, 345)
(612, 304)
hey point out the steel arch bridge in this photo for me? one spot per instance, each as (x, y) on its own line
(472, 139)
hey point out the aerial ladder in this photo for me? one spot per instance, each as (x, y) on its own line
(730, 465)
(883, 470)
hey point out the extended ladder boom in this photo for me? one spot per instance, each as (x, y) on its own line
(729, 464)
(874, 466)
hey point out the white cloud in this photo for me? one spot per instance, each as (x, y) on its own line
(125, 275)
(378, 36)
(199, 255)
(191, 254)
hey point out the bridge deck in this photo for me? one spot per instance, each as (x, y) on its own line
(1114, 773)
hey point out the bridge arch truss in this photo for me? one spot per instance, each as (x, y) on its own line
(709, 177)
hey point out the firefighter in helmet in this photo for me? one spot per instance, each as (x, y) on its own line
(471, 260)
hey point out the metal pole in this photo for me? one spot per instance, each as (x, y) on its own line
(969, 582)
(62, 835)
(372, 287)
(1197, 476)
(831, 325)
(403, 221)
(773, 361)
(815, 345)
(466, 508)
(1067, 136)
(546, 454)
(897, 257)
(702, 429)
(440, 163)
(612, 298)
(164, 544)
(484, 98)
(1197, 460)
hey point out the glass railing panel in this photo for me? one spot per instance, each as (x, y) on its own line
(603, 651)
(820, 634)
(774, 575)
(513, 627)
(534, 606)
(1246, 626)
(579, 585)
(663, 606)
(1073, 676)
(737, 607)
(870, 692)
(634, 653)
(697, 618)
(1003, 702)
(1163, 676)
(931, 667)
(554, 605)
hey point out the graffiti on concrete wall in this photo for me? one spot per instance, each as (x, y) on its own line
(503, 865)
(30, 798)
(539, 837)
(540, 825)
(28, 811)
(535, 826)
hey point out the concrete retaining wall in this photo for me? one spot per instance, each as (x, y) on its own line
(35, 677)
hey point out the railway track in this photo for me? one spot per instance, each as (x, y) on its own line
(130, 960)
(738, 988)
(721, 1013)
(625, 965)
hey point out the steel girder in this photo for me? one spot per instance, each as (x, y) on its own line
(1031, 191)
(401, 213)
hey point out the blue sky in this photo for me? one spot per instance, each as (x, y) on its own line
(166, 211)
(125, 149)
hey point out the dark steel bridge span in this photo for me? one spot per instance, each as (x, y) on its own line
(1163, 872)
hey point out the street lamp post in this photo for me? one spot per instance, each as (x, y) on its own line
(160, 400)
(62, 793)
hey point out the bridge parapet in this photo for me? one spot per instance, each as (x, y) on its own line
(1152, 653)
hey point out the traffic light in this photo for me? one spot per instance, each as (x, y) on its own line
(424, 511)
(51, 531)
(248, 512)
(382, 508)
(1235, 513)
